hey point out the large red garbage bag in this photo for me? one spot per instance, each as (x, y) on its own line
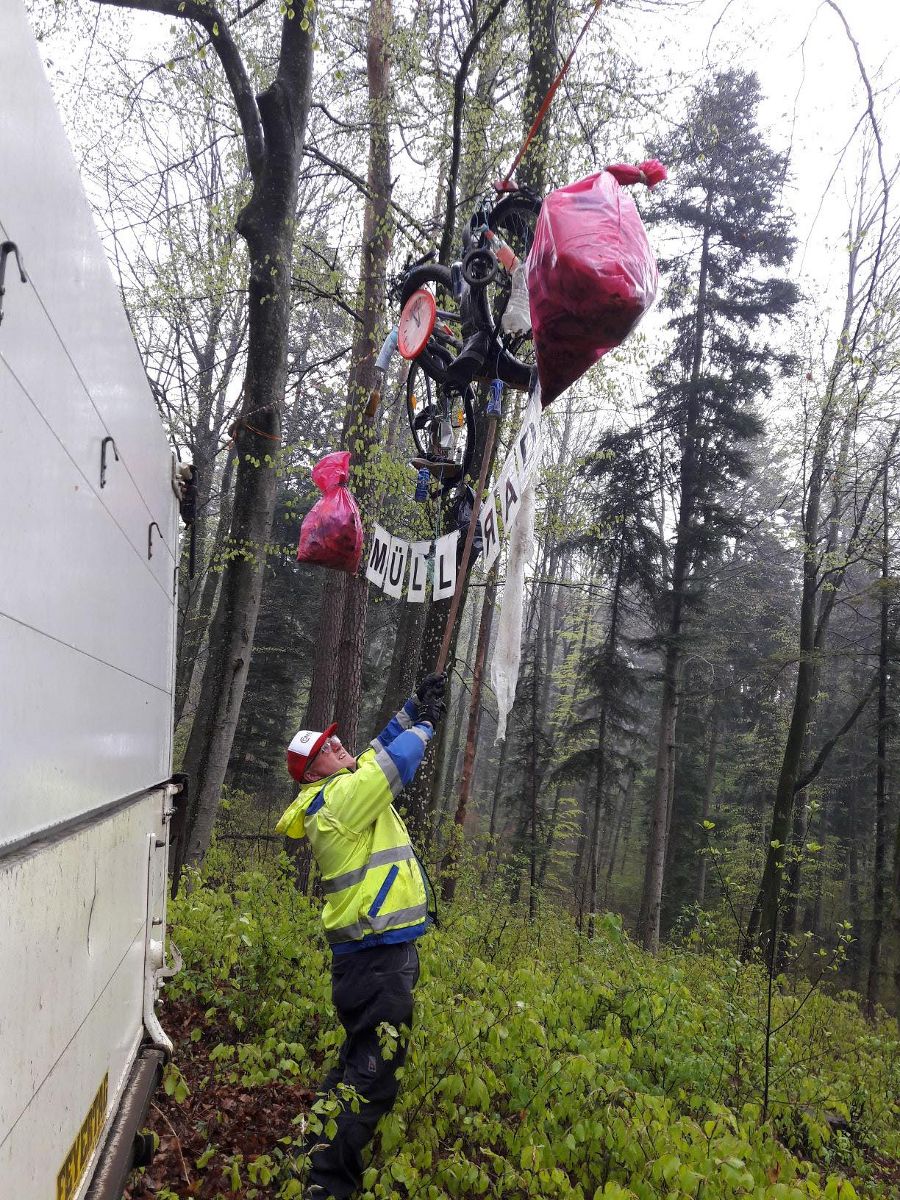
(591, 273)
(331, 533)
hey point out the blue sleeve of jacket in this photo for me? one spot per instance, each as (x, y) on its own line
(398, 723)
(357, 798)
(407, 750)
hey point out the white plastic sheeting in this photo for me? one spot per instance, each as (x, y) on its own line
(508, 647)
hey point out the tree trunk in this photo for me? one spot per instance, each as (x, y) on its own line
(895, 912)
(543, 56)
(708, 785)
(534, 781)
(321, 703)
(498, 789)
(764, 916)
(623, 817)
(657, 845)
(445, 778)
(267, 226)
(609, 654)
(791, 919)
(474, 721)
(196, 623)
(547, 849)
(359, 427)
(873, 985)
(403, 671)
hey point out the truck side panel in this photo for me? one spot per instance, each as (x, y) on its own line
(44, 210)
(87, 655)
(74, 999)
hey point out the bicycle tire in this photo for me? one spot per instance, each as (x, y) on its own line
(433, 359)
(419, 397)
(413, 409)
(514, 217)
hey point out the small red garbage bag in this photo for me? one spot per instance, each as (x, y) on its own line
(591, 273)
(331, 533)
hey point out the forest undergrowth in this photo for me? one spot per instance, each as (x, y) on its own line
(542, 1064)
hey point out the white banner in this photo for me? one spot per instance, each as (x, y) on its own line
(445, 566)
(418, 571)
(490, 530)
(388, 555)
(528, 443)
(509, 492)
(378, 556)
(396, 568)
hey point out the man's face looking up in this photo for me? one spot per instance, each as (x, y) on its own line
(332, 757)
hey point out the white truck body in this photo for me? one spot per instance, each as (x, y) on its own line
(87, 652)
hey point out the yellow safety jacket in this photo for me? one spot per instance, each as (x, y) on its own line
(376, 888)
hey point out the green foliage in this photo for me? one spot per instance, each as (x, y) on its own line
(545, 1065)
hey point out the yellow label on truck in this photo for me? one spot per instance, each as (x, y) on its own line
(71, 1171)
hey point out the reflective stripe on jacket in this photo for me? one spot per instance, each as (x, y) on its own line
(374, 885)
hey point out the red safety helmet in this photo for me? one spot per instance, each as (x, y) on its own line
(305, 745)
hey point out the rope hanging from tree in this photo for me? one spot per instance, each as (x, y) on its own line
(548, 99)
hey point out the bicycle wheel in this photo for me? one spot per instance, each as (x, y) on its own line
(428, 404)
(514, 218)
(445, 341)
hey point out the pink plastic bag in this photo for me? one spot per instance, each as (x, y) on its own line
(591, 273)
(331, 533)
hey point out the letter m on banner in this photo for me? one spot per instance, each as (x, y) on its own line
(378, 556)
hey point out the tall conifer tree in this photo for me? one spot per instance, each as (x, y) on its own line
(722, 285)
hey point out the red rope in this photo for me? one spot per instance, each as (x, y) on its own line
(548, 99)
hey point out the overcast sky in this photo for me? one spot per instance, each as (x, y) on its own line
(815, 96)
(809, 74)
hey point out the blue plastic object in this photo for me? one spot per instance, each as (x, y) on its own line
(422, 482)
(495, 400)
(386, 353)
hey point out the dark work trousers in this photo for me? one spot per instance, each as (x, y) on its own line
(367, 987)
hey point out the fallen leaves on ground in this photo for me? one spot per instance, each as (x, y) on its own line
(217, 1122)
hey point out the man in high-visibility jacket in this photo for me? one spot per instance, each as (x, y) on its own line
(378, 902)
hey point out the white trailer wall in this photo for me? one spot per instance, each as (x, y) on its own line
(87, 644)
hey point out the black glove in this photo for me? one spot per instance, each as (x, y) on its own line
(433, 711)
(431, 688)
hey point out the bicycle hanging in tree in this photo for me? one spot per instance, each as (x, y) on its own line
(463, 324)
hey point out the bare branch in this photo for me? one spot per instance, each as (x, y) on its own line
(209, 17)
(821, 758)
(459, 86)
(359, 182)
(885, 186)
